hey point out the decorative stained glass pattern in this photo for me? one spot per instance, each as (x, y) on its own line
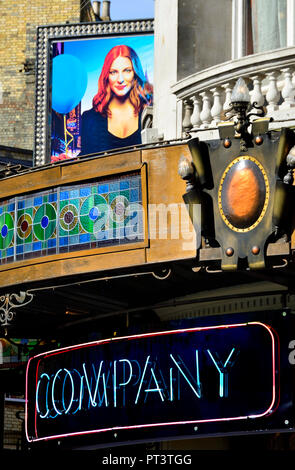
(69, 218)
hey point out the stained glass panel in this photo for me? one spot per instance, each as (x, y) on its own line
(102, 213)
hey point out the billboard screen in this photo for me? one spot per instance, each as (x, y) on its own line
(100, 88)
(94, 86)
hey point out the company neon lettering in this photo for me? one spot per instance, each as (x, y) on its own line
(112, 383)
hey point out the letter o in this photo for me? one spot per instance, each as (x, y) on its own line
(52, 392)
(73, 391)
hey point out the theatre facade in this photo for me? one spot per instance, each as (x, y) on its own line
(147, 288)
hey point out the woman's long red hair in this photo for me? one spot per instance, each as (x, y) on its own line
(141, 92)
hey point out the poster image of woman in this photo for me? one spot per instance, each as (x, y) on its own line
(114, 121)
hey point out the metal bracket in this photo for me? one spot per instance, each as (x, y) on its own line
(9, 302)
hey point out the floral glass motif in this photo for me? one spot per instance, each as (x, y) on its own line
(69, 218)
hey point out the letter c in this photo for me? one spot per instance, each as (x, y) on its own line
(37, 396)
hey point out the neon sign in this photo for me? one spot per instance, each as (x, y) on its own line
(154, 380)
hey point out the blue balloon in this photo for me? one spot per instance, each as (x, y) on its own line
(69, 83)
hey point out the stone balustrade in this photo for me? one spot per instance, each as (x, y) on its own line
(203, 99)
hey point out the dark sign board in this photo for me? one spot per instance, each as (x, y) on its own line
(219, 378)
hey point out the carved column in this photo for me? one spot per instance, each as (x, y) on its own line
(195, 118)
(228, 88)
(256, 95)
(273, 94)
(206, 110)
(288, 90)
(188, 110)
(217, 106)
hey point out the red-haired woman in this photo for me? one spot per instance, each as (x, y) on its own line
(123, 92)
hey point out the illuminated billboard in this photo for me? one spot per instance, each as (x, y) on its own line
(226, 376)
(94, 82)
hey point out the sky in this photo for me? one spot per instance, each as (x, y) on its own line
(131, 9)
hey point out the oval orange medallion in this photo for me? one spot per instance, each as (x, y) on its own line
(243, 194)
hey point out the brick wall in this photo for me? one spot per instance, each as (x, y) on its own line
(18, 22)
(12, 425)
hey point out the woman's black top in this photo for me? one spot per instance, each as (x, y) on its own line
(95, 136)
